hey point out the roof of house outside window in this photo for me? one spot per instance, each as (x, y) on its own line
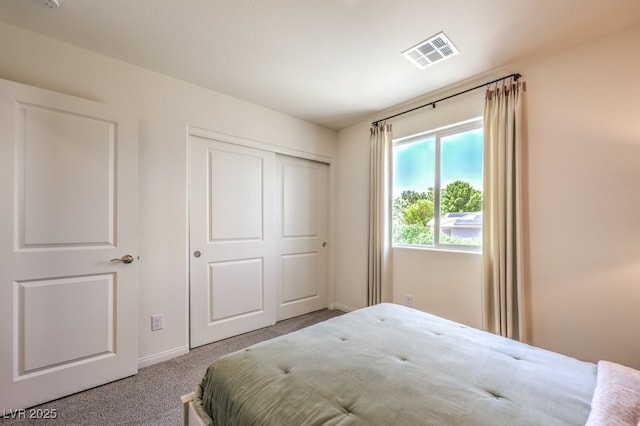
(458, 220)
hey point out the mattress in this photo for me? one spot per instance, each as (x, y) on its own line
(392, 365)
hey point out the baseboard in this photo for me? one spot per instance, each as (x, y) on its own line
(341, 307)
(162, 356)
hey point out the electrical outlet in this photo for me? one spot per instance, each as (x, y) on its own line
(156, 322)
(408, 300)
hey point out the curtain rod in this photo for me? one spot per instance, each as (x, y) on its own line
(515, 76)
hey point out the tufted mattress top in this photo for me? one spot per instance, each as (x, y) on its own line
(392, 365)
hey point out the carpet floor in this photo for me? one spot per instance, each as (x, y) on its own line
(152, 397)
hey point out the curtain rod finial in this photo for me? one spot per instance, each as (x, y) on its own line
(517, 76)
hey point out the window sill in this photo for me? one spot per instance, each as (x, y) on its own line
(475, 250)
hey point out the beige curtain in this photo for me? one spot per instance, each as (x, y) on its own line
(380, 269)
(502, 247)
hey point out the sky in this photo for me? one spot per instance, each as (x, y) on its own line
(414, 163)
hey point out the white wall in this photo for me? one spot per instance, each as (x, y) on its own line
(444, 283)
(164, 107)
(583, 203)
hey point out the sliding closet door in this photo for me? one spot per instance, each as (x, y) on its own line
(232, 239)
(68, 194)
(302, 216)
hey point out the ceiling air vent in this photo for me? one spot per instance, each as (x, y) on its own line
(430, 51)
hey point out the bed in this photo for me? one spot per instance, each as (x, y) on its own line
(392, 365)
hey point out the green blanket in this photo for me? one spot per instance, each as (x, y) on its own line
(392, 365)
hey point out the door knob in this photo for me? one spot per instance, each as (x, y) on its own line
(127, 258)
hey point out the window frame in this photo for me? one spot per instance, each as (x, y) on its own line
(437, 134)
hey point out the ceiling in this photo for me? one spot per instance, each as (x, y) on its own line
(331, 62)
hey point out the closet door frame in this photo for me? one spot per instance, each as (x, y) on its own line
(247, 143)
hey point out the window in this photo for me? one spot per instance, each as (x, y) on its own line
(437, 188)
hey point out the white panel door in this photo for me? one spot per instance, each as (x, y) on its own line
(302, 224)
(232, 267)
(68, 190)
